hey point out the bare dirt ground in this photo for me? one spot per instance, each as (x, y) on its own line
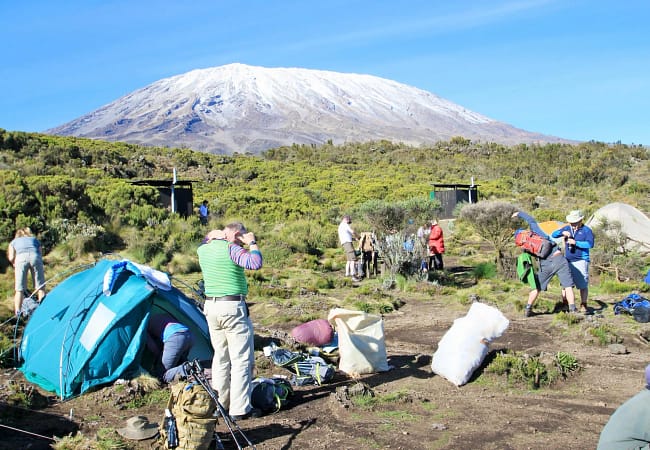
(486, 413)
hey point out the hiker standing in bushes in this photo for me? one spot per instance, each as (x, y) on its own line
(367, 243)
(170, 343)
(346, 236)
(223, 260)
(25, 254)
(423, 234)
(436, 246)
(553, 264)
(204, 212)
(578, 239)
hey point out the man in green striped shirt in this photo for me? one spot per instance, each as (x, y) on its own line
(223, 259)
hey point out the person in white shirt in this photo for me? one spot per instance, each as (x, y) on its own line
(346, 236)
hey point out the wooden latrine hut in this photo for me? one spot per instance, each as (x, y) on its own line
(451, 195)
(177, 196)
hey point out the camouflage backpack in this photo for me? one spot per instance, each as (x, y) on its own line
(193, 409)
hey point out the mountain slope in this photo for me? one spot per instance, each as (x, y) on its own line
(240, 108)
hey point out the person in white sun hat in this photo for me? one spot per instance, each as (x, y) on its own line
(578, 240)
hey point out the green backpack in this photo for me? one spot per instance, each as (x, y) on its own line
(193, 409)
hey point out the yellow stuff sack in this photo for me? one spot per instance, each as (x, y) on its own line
(193, 409)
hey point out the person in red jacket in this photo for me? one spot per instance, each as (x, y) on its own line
(436, 246)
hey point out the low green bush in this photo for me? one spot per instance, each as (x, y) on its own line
(531, 370)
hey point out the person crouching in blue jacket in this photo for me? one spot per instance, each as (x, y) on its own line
(170, 342)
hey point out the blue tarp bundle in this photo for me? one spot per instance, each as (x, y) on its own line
(630, 303)
(636, 305)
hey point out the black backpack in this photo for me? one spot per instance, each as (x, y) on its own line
(270, 394)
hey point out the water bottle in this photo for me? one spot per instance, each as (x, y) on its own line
(172, 432)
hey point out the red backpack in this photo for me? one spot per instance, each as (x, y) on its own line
(533, 243)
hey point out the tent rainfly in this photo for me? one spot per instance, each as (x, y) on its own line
(623, 218)
(91, 329)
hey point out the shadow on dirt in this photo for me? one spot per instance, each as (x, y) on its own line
(486, 362)
(274, 430)
(564, 307)
(26, 428)
(403, 366)
(457, 276)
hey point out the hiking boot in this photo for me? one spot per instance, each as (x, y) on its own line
(584, 309)
(528, 312)
(356, 279)
(254, 413)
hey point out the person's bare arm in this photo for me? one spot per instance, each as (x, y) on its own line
(11, 254)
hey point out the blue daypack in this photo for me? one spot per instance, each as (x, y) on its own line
(635, 305)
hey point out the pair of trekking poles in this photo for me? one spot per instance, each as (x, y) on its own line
(194, 369)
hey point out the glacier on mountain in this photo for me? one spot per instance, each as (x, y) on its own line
(241, 108)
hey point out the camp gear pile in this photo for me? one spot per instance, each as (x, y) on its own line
(307, 369)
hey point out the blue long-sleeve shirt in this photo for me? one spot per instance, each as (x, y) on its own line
(584, 238)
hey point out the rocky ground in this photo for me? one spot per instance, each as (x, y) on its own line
(425, 411)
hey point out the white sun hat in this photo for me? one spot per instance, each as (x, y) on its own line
(575, 216)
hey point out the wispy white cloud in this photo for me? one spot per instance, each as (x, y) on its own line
(478, 15)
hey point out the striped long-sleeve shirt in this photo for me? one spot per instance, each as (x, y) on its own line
(248, 260)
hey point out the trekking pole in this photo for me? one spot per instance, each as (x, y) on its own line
(194, 369)
(197, 372)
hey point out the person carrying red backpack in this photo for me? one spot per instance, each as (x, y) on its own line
(554, 264)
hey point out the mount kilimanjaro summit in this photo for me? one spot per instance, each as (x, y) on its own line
(240, 108)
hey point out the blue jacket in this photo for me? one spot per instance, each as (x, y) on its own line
(584, 241)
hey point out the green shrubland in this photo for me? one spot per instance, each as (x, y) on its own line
(78, 197)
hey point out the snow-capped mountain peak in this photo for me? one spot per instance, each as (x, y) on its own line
(241, 108)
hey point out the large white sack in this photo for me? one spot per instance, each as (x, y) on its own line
(464, 346)
(361, 341)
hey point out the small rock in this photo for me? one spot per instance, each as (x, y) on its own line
(439, 426)
(617, 349)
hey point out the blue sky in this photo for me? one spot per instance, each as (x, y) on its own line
(577, 69)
